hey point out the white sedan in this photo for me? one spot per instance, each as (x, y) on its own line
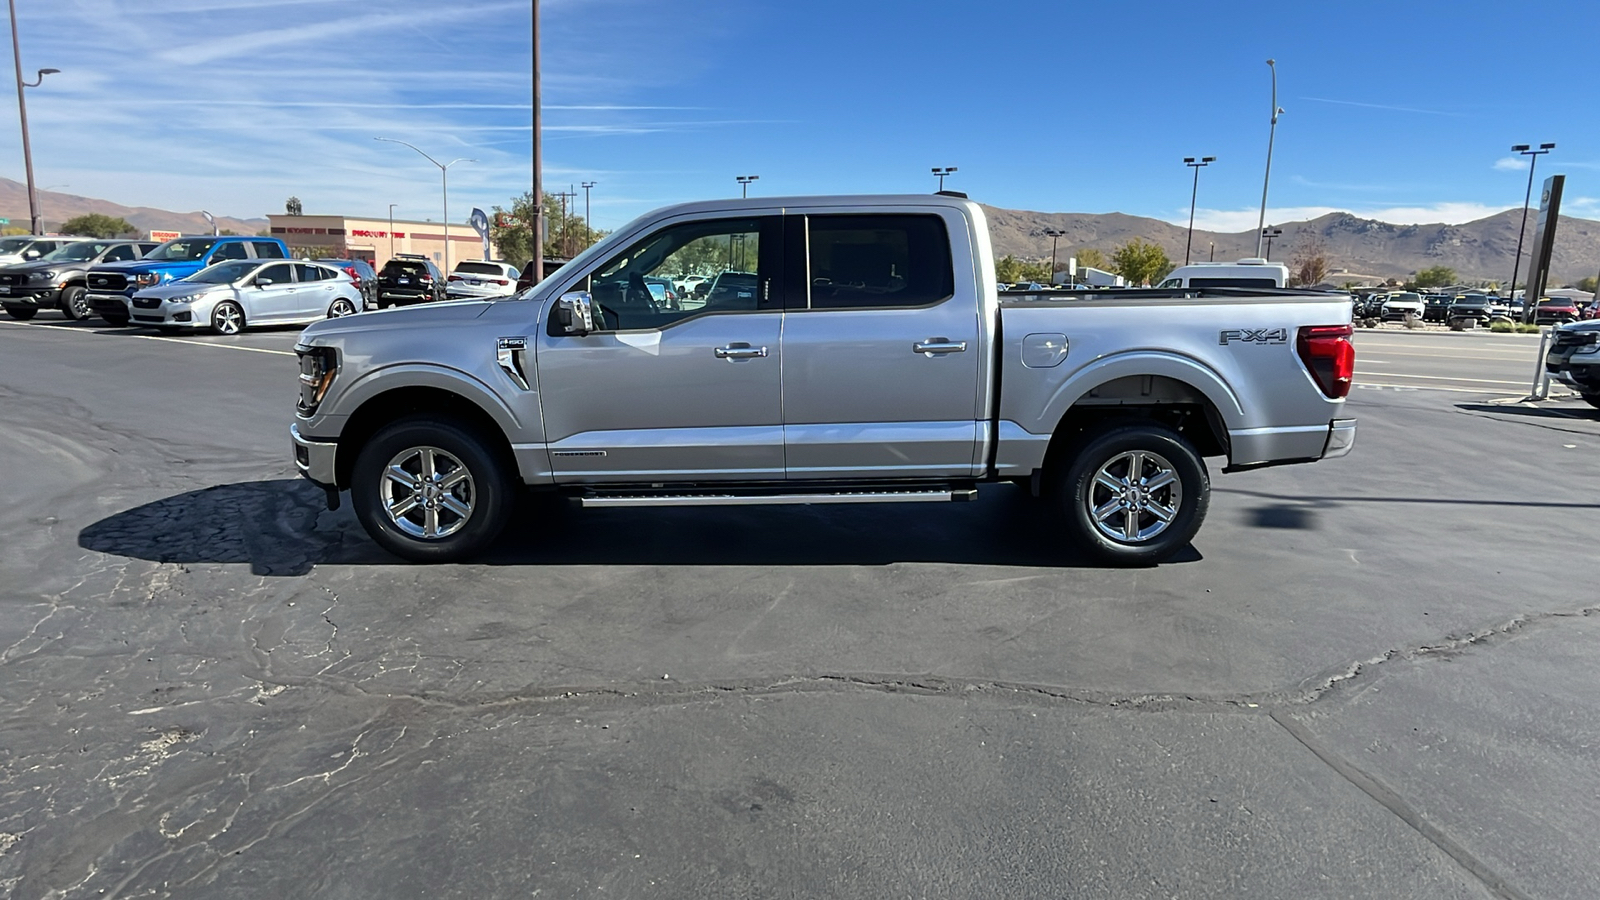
(228, 296)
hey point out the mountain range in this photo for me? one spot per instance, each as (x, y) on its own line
(1482, 249)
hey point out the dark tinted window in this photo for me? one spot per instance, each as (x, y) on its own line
(1232, 282)
(268, 250)
(234, 250)
(278, 274)
(406, 268)
(872, 261)
(122, 252)
(479, 268)
(308, 272)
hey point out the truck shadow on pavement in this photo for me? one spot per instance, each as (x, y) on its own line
(282, 528)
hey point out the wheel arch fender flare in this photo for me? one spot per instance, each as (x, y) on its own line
(1177, 367)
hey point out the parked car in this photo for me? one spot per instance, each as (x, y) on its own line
(57, 279)
(112, 285)
(1554, 311)
(1592, 311)
(1574, 359)
(1246, 273)
(32, 247)
(1437, 309)
(1474, 307)
(233, 295)
(482, 279)
(881, 376)
(409, 278)
(664, 291)
(361, 273)
(1028, 286)
(1401, 304)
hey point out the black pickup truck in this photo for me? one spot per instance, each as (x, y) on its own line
(56, 280)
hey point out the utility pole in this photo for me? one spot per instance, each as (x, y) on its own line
(538, 186)
(1054, 234)
(588, 228)
(1193, 193)
(391, 229)
(1516, 263)
(35, 226)
(566, 232)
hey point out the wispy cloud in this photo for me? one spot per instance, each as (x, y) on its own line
(1386, 107)
(1510, 164)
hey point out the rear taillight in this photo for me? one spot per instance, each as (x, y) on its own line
(455, 277)
(1329, 357)
(501, 281)
(425, 279)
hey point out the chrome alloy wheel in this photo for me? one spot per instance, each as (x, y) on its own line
(427, 493)
(227, 319)
(1135, 496)
(341, 308)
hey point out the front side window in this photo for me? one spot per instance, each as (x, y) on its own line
(78, 252)
(637, 288)
(223, 273)
(122, 253)
(182, 249)
(267, 250)
(868, 261)
(230, 251)
(279, 274)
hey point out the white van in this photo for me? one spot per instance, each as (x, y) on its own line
(1246, 273)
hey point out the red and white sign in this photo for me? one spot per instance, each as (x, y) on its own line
(358, 232)
(165, 236)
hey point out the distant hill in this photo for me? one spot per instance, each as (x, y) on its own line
(55, 208)
(1476, 250)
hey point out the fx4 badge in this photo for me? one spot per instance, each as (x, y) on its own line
(1254, 336)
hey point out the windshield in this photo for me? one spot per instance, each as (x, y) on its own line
(223, 273)
(83, 250)
(182, 248)
(13, 244)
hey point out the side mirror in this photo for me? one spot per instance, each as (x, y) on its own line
(263, 282)
(575, 313)
(31, 254)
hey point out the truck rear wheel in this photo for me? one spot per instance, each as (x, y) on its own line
(1133, 493)
(431, 490)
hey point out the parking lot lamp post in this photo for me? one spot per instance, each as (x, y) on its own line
(22, 111)
(588, 230)
(1516, 261)
(1054, 234)
(444, 183)
(1269, 234)
(941, 172)
(744, 183)
(212, 221)
(1194, 193)
(1271, 134)
(391, 229)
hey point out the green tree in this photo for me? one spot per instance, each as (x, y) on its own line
(1586, 284)
(1140, 262)
(98, 225)
(1438, 276)
(1089, 256)
(1012, 270)
(564, 235)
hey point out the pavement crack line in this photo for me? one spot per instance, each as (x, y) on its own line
(1392, 801)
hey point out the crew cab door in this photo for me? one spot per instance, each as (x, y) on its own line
(672, 391)
(880, 350)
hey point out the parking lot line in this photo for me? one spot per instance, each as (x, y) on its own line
(1440, 377)
(157, 337)
(1373, 385)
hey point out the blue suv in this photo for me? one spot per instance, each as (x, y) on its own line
(111, 286)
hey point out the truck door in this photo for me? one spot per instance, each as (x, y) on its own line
(672, 389)
(880, 351)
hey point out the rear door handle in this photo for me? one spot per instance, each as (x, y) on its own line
(740, 351)
(938, 345)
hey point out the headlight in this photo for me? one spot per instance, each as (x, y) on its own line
(185, 298)
(318, 366)
(146, 279)
(45, 276)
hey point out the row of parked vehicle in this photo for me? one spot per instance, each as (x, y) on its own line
(220, 283)
(1478, 308)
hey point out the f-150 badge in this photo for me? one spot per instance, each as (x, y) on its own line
(1254, 336)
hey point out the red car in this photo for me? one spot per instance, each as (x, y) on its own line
(1554, 311)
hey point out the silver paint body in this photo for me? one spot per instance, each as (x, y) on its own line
(286, 303)
(840, 394)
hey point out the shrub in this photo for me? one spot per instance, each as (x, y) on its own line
(1502, 326)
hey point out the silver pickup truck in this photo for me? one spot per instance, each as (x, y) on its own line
(836, 350)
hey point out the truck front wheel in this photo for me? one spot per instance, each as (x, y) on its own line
(1133, 493)
(431, 490)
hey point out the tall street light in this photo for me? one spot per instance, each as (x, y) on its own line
(744, 183)
(538, 159)
(391, 229)
(444, 180)
(1271, 134)
(1054, 234)
(1193, 193)
(1533, 160)
(588, 229)
(1268, 234)
(941, 172)
(22, 110)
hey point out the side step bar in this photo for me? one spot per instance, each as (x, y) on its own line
(943, 495)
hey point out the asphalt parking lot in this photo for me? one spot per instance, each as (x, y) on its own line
(1372, 677)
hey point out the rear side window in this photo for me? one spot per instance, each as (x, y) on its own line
(267, 250)
(867, 261)
(1232, 282)
(308, 272)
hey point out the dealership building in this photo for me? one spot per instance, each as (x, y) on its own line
(376, 240)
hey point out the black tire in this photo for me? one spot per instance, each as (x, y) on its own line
(227, 318)
(1591, 399)
(489, 490)
(115, 320)
(22, 312)
(73, 304)
(1077, 492)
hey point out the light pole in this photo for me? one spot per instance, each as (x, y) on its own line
(1054, 234)
(212, 221)
(538, 178)
(1533, 160)
(1194, 193)
(1268, 234)
(744, 184)
(444, 181)
(22, 111)
(941, 172)
(588, 230)
(391, 229)
(1271, 134)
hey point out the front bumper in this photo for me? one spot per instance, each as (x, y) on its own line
(115, 304)
(26, 295)
(315, 459)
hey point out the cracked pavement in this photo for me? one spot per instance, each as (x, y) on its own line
(1372, 677)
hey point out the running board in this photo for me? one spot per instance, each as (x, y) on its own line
(943, 495)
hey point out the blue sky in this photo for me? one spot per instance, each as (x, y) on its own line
(1400, 110)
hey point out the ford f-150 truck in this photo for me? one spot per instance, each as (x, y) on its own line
(861, 354)
(112, 286)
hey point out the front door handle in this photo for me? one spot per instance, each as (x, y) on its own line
(740, 351)
(938, 345)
